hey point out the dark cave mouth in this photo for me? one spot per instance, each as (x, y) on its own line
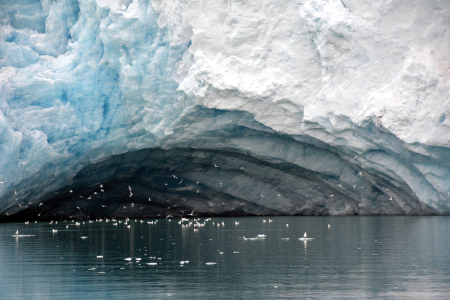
(185, 182)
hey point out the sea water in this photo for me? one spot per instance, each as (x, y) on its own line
(389, 257)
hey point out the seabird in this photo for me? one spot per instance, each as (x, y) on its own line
(305, 237)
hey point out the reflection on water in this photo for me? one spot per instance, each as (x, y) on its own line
(356, 258)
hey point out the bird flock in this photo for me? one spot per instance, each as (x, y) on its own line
(186, 223)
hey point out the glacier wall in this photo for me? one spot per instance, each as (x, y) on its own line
(154, 108)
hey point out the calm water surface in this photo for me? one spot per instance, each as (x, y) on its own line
(356, 258)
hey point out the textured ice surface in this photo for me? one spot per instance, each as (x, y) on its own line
(224, 107)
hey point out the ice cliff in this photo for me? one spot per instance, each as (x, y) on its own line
(154, 108)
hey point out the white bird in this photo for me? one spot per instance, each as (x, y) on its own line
(15, 192)
(329, 226)
(54, 230)
(89, 198)
(129, 188)
(391, 198)
(242, 168)
(129, 226)
(191, 214)
(360, 174)
(354, 187)
(102, 190)
(287, 225)
(101, 186)
(175, 177)
(216, 166)
(331, 195)
(70, 191)
(305, 238)
(149, 199)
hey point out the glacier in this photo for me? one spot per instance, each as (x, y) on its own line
(139, 108)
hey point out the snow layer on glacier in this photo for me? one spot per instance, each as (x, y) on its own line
(328, 106)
